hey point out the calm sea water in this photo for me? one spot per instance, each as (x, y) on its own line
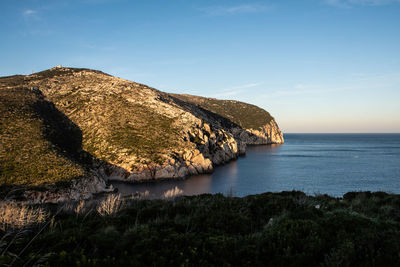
(314, 163)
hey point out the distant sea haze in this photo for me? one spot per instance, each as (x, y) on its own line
(332, 164)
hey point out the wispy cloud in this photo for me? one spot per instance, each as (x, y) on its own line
(226, 94)
(99, 2)
(235, 90)
(176, 61)
(362, 82)
(98, 47)
(34, 23)
(29, 12)
(36, 17)
(244, 86)
(373, 2)
(233, 10)
(337, 3)
(351, 3)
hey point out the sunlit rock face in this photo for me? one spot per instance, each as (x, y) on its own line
(131, 132)
(267, 134)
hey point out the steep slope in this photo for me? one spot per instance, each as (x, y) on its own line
(39, 146)
(245, 115)
(260, 126)
(34, 137)
(93, 123)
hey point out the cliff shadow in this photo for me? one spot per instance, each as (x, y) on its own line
(206, 115)
(63, 134)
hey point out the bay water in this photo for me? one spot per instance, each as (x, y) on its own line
(330, 164)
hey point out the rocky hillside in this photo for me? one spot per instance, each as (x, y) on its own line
(253, 119)
(81, 125)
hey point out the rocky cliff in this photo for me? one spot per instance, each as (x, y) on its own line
(81, 125)
(256, 126)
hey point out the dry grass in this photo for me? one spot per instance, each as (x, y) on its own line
(80, 207)
(13, 215)
(140, 195)
(111, 205)
(173, 192)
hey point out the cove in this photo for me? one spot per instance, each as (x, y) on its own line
(332, 164)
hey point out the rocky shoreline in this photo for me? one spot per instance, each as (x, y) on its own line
(197, 161)
(213, 149)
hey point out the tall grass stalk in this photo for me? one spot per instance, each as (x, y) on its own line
(111, 205)
(13, 215)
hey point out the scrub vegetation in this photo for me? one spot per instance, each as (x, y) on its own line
(61, 124)
(38, 143)
(271, 229)
(245, 115)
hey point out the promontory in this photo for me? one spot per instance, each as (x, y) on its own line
(66, 131)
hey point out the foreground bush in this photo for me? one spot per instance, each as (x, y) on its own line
(272, 229)
(14, 215)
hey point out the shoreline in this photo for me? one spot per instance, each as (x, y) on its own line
(160, 180)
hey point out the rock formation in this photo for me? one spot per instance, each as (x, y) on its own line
(108, 128)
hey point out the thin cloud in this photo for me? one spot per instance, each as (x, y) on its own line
(97, 2)
(234, 10)
(364, 82)
(373, 2)
(235, 90)
(39, 11)
(244, 86)
(29, 12)
(351, 3)
(99, 47)
(36, 18)
(337, 3)
(226, 94)
(177, 61)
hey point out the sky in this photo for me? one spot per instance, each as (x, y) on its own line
(315, 65)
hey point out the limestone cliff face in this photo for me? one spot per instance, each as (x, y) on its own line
(249, 124)
(131, 132)
(267, 134)
(215, 142)
(208, 148)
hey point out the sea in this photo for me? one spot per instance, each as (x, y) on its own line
(332, 164)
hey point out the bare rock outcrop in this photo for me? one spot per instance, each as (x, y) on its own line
(267, 134)
(78, 189)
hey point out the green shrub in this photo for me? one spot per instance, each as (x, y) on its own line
(272, 229)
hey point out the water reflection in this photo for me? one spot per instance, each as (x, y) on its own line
(226, 179)
(327, 164)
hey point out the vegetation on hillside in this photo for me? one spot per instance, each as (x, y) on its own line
(245, 115)
(50, 119)
(38, 143)
(56, 121)
(114, 128)
(271, 229)
(145, 133)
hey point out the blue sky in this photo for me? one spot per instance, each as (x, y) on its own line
(316, 65)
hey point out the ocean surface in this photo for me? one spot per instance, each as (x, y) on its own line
(330, 164)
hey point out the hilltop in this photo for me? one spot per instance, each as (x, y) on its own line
(80, 127)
